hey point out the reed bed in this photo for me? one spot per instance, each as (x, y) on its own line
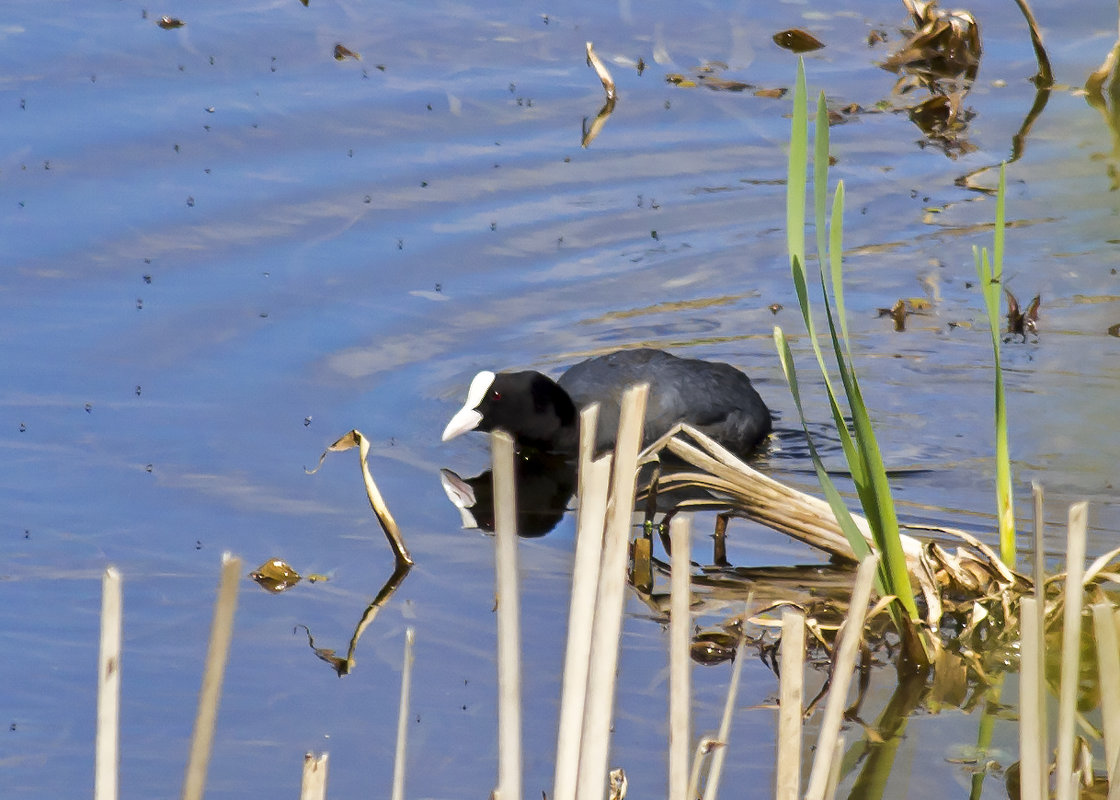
(696, 758)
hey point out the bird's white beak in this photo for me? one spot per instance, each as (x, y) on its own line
(468, 417)
(465, 419)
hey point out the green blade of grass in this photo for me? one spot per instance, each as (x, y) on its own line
(795, 186)
(861, 450)
(831, 493)
(990, 274)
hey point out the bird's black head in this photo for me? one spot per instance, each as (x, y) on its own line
(527, 405)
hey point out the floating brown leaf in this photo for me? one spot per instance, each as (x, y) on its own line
(774, 93)
(797, 40)
(898, 313)
(342, 52)
(275, 576)
(170, 23)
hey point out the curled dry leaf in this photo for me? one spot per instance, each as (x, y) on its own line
(946, 45)
(342, 52)
(601, 70)
(898, 313)
(797, 40)
(1022, 322)
(904, 307)
(356, 438)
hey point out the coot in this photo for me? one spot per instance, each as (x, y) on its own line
(544, 414)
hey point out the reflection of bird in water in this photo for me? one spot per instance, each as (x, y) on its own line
(544, 487)
(543, 415)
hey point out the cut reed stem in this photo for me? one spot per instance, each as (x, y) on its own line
(680, 635)
(209, 697)
(842, 667)
(1033, 758)
(313, 785)
(1071, 643)
(594, 481)
(107, 750)
(509, 626)
(599, 706)
(791, 691)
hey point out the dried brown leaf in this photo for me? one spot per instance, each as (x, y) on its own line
(275, 576)
(342, 52)
(797, 40)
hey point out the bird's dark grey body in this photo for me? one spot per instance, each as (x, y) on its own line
(717, 398)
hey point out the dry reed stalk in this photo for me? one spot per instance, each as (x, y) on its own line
(355, 438)
(1033, 758)
(594, 480)
(399, 759)
(509, 629)
(107, 757)
(209, 696)
(313, 785)
(601, 70)
(715, 772)
(761, 498)
(843, 665)
(1043, 742)
(791, 689)
(680, 636)
(595, 743)
(1071, 641)
(1108, 667)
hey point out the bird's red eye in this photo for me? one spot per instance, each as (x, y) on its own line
(496, 396)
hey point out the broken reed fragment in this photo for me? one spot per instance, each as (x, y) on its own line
(600, 68)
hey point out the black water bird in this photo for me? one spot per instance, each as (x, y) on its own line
(543, 414)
